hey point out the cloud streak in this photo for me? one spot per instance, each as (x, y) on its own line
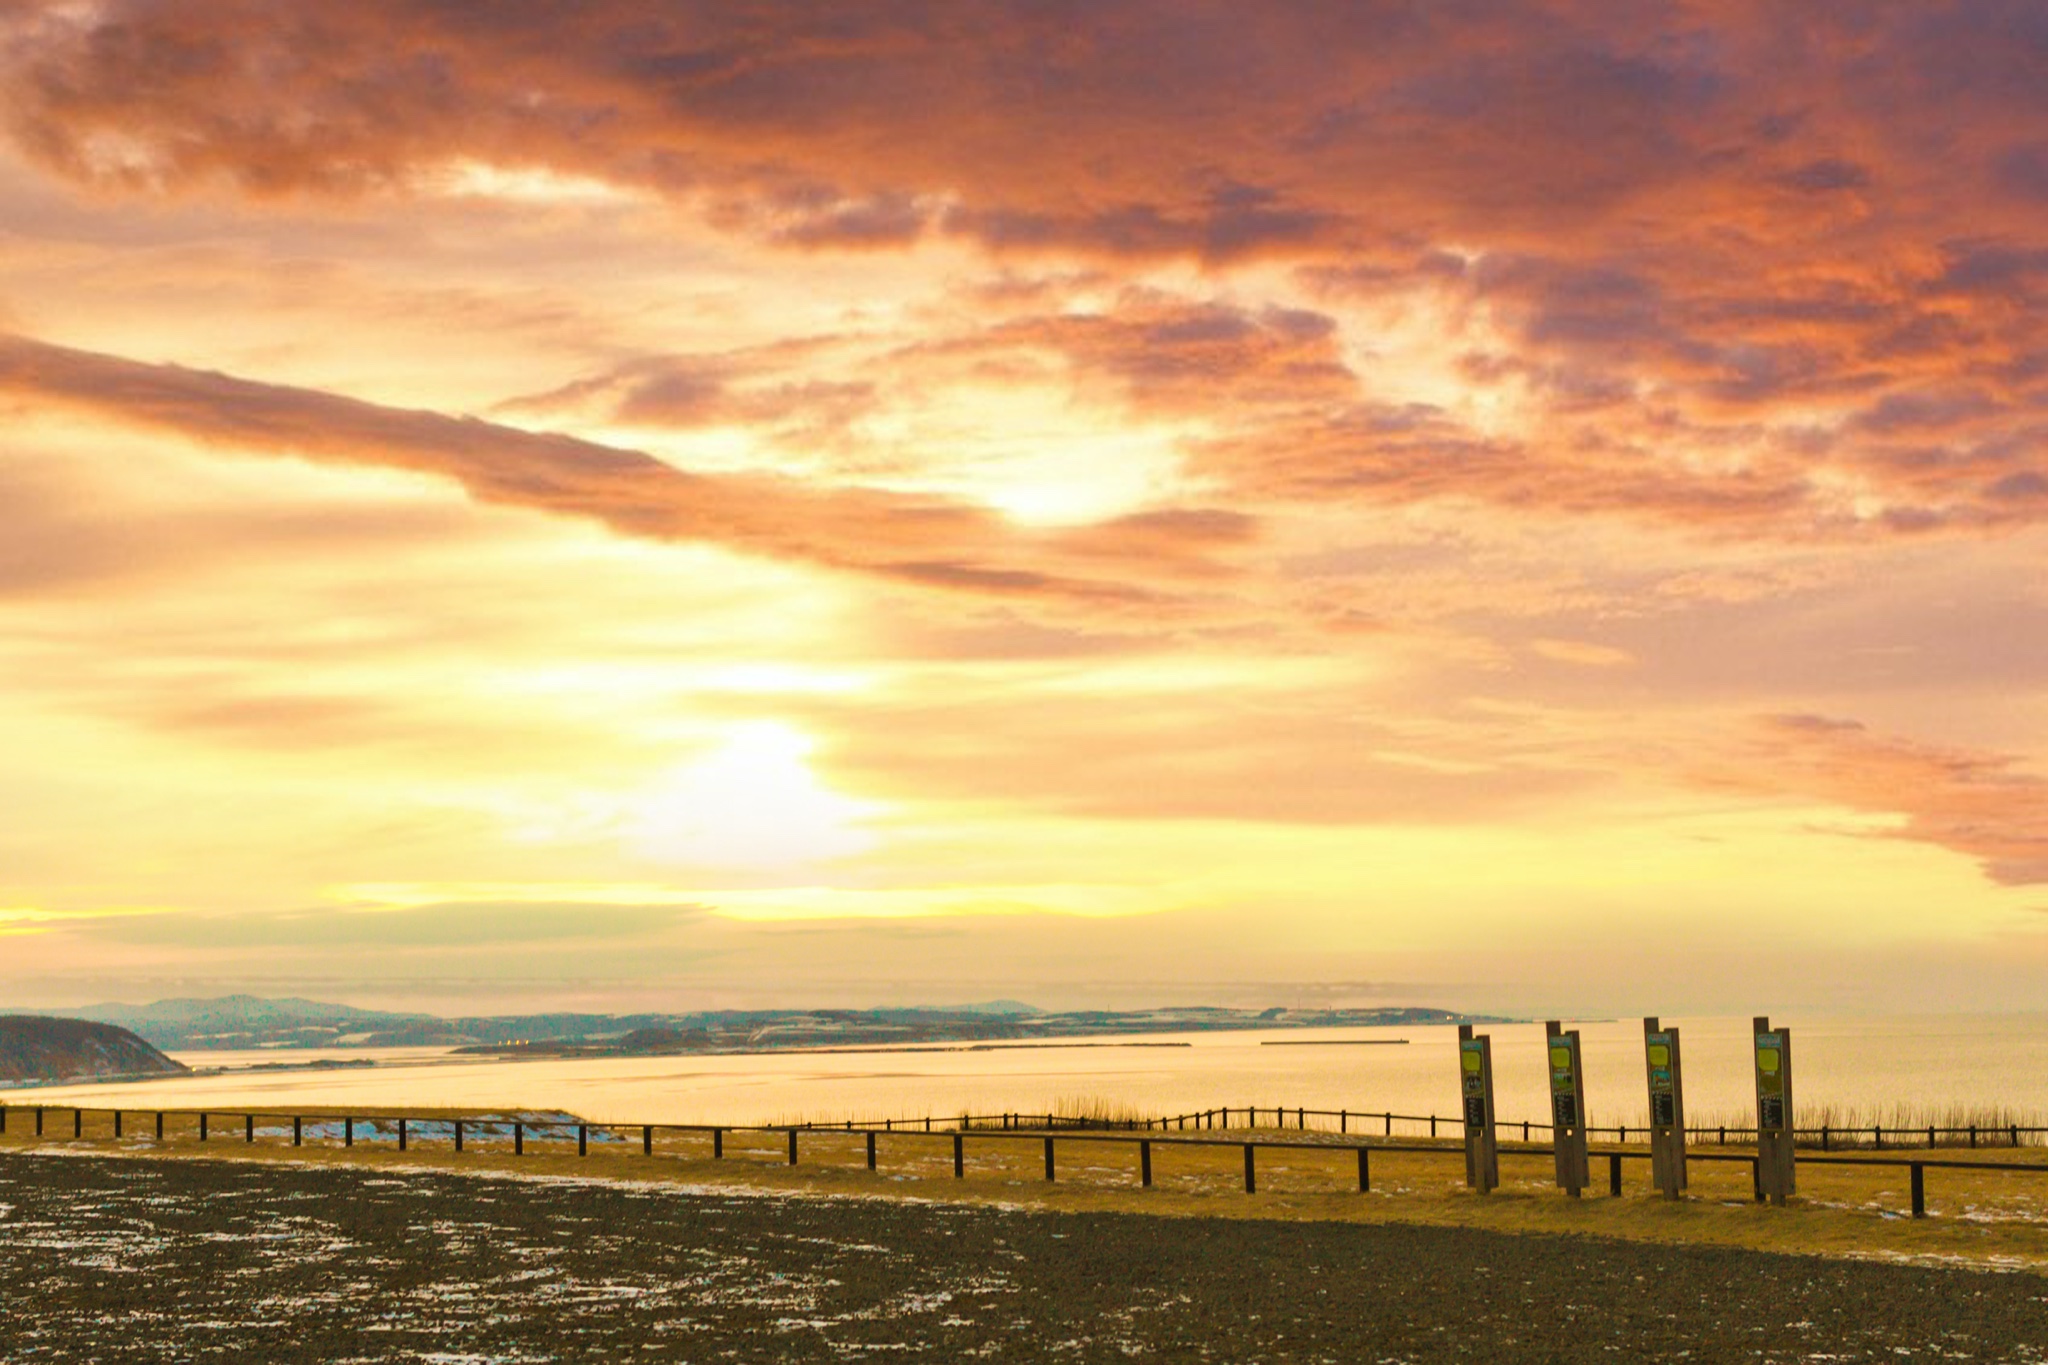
(920, 540)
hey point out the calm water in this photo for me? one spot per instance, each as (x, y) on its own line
(1860, 1063)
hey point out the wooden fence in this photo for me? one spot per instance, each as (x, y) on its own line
(464, 1133)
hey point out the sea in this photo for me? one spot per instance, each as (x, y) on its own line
(1898, 1069)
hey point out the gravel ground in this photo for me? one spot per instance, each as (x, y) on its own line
(138, 1260)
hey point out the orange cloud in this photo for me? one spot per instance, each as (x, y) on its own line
(1761, 270)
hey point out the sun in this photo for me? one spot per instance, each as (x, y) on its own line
(751, 803)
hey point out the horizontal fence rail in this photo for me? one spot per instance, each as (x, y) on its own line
(1827, 1137)
(464, 1132)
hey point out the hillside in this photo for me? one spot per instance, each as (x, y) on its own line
(35, 1048)
(250, 1022)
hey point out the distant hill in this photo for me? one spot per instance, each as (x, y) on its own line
(641, 1042)
(36, 1048)
(232, 1021)
(247, 1022)
(995, 1007)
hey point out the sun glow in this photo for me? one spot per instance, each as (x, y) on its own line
(1027, 451)
(834, 902)
(524, 184)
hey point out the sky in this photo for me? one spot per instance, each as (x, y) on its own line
(625, 505)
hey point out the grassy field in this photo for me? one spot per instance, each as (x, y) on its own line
(1981, 1216)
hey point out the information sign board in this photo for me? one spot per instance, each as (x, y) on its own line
(1662, 1065)
(1475, 1083)
(1777, 1171)
(1567, 1106)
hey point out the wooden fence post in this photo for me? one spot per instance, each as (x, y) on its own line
(248, 1127)
(959, 1156)
(159, 1125)
(518, 1138)
(718, 1142)
(401, 1135)
(1364, 1171)
(583, 1139)
(1145, 1164)
(792, 1146)
(1251, 1176)
(348, 1131)
(647, 1139)
(458, 1135)
(298, 1130)
(117, 1124)
(871, 1149)
(1919, 1191)
(78, 1123)
(202, 1125)
(1048, 1157)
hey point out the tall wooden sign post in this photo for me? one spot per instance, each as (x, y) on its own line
(1667, 1107)
(1777, 1178)
(1475, 1078)
(1567, 1107)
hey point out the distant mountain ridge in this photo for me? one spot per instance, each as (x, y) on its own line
(42, 1048)
(234, 1021)
(248, 1021)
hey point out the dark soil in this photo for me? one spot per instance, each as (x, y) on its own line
(137, 1261)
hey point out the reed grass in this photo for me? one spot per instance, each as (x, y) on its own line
(1901, 1124)
(1074, 1111)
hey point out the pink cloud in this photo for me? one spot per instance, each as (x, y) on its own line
(1977, 804)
